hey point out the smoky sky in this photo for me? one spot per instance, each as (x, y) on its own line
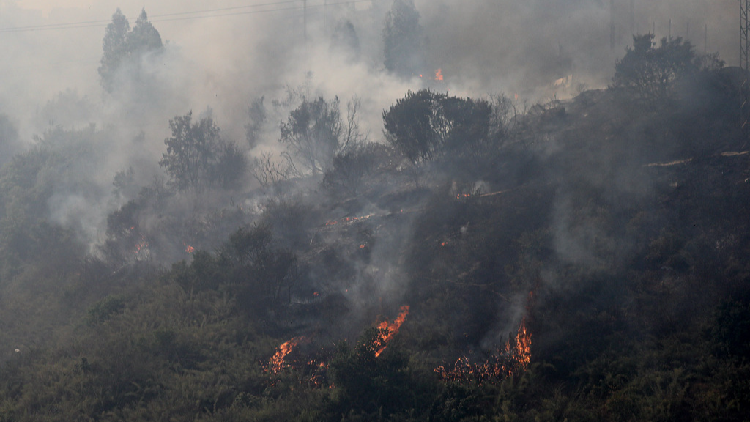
(481, 46)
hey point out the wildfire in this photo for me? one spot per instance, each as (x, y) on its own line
(189, 249)
(523, 346)
(389, 330)
(515, 358)
(439, 75)
(311, 371)
(347, 220)
(143, 244)
(276, 364)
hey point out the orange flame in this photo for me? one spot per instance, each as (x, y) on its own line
(277, 360)
(389, 330)
(439, 75)
(189, 249)
(515, 358)
(523, 346)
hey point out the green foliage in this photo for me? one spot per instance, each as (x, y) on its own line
(104, 309)
(413, 124)
(464, 136)
(197, 157)
(369, 386)
(248, 268)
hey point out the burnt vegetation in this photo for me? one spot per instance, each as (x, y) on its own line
(573, 260)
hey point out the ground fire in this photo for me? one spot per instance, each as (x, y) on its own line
(388, 330)
(316, 366)
(276, 364)
(513, 359)
(142, 245)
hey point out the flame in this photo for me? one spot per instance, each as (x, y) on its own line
(348, 220)
(189, 249)
(362, 246)
(276, 363)
(389, 330)
(439, 75)
(523, 346)
(143, 244)
(515, 357)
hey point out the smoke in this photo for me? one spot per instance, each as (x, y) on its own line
(223, 61)
(229, 53)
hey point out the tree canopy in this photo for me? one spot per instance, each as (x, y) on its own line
(313, 133)
(123, 46)
(647, 74)
(197, 156)
(425, 125)
(403, 39)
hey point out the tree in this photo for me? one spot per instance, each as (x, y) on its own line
(122, 46)
(115, 48)
(413, 125)
(268, 171)
(647, 74)
(376, 387)
(345, 40)
(464, 135)
(312, 133)
(257, 115)
(197, 156)
(9, 144)
(144, 37)
(231, 163)
(350, 167)
(403, 40)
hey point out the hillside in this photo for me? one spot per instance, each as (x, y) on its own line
(574, 260)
